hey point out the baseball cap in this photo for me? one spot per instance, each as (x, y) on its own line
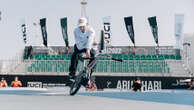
(82, 22)
(137, 78)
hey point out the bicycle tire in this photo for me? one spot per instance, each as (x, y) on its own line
(74, 88)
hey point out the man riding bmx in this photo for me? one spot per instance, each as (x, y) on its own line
(84, 42)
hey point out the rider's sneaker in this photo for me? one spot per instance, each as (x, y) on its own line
(72, 77)
(87, 87)
(90, 86)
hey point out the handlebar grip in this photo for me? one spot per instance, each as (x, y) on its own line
(117, 60)
(84, 58)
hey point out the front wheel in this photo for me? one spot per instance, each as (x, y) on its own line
(74, 88)
(79, 80)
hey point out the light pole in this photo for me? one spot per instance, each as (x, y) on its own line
(187, 57)
(186, 45)
(83, 8)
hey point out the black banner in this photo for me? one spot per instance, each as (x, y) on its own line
(102, 41)
(64, 30)
(154, 28)
(43, 30)
(119, 82)
(129, 27)
(148, 83)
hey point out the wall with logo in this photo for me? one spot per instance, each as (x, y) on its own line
(148, 83)
(124, 83)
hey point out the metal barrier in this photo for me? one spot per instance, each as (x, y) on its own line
(103, 66)
(128, 66)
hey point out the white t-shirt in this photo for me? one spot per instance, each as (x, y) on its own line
(84, 40)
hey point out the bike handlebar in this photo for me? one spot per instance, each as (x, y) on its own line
(120, 60)
(85, 58)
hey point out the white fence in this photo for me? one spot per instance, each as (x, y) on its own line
(103, 66)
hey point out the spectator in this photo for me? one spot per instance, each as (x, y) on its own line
(137, 85)
(191, 87)
(16, 82)
(3, 83)
(91, 86)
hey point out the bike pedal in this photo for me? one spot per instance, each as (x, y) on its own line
(72, 80)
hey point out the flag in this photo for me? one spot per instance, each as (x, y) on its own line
(154, 28)
(129, 27)
(107, 29)
(23, 28)
(64, 30)
(102, 41)
(179, 21)
(43, 30)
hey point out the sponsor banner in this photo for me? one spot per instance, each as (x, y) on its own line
(116, 50)
(63, 22)
(34, 84)
(129, 27)
(119, 82)
(39, 81)
(43, 30)
(23, 28)
(179, 22)
(153, 24)
(45, 85)
(107, 30)
(148, 83)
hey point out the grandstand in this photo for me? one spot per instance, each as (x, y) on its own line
(159, 63)
(139, 61)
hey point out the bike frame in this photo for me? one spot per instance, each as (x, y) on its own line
(93, 63)
(86, 72)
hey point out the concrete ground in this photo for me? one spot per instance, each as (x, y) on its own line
(58, 99)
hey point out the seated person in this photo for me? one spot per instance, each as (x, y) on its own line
(136, 85)
(91, 85)
(3, 83)
(16, 82)
(191, 87)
